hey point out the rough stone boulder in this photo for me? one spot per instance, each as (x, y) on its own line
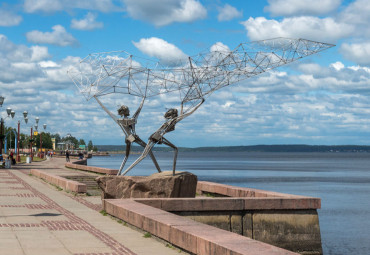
(158, 185)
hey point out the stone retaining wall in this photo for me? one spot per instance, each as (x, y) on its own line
(287, 221)
(64, 183)
(185, 233)
(94, 169)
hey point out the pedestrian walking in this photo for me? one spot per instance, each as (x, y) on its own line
(67, 155)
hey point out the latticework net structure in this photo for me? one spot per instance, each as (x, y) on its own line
(195, 77)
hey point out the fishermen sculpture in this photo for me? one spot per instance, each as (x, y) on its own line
(128, 127)
(193, 78)
(172, 118)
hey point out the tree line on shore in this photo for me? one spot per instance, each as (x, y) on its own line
(46, 140)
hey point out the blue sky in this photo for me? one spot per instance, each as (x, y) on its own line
(323, 99)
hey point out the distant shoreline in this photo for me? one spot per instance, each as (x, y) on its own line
(112, 149)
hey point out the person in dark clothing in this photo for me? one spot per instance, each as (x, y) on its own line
(67, 155)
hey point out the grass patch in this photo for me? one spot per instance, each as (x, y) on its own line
(209, 195)
(103, 212)
(147, 235)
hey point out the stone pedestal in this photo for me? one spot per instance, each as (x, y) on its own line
(158, 185)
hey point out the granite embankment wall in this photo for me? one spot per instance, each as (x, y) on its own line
(229, 220)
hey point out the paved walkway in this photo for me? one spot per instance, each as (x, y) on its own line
(36, 218)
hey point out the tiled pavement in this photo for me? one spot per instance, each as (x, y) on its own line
(36, 218)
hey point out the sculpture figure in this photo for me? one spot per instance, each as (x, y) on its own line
(128, 127)
(172, 118)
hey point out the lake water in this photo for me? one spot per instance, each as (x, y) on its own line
(341, 180)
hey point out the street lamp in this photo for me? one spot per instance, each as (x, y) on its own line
(37, 119)
(10, 114)
(25, 113)
(1, 101)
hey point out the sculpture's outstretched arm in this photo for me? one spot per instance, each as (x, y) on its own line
(105, 109)
(136, 114)
(182, 116)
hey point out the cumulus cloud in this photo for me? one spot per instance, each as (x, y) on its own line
(17, 62)
(59, 36)
(219, 46)
(161, 13)
(39, 53)
(87, 23)
(357, 12)
(326, 30)
(9, 19)
(301, 7)
(159, 48)
(228, 12)
(50, 6)
(357, 52)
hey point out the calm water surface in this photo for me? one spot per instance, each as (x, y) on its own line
(341, 180)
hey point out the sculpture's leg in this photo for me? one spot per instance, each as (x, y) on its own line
(145, 153)
(142, 143)
(128, 148)
(168, 143)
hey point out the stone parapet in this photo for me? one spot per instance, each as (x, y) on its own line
(93, 169)
(187, 234)
(283, 220)
(64, 183)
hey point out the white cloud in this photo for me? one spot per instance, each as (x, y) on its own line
(161, 13)
(39, 53)
(50, 6)
(357, 12)
(337, 65)
(59, 36)
(325, 30)
(18, 62)
(87, 23)
(228, 12)
(219, 46)
(9, 19)
(301, 7)
(166, 52)
(357, 52)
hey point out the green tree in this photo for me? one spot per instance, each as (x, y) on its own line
(81, 142)
(90, 146)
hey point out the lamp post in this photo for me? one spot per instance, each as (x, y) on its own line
(25, 113)
(37, 119)
(10, 114)
(1, 126)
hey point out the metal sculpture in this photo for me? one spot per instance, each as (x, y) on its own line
(194, 78)
(128, 127)
(172, 118)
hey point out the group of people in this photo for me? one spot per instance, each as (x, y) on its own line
(68, 154)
